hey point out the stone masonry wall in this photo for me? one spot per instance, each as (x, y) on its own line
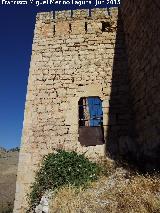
(142, 31)
(71, 58)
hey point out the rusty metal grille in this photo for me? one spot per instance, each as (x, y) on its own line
(90, 112)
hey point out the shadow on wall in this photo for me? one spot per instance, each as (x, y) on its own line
(122, 137)
(142, 29)
(120, 141)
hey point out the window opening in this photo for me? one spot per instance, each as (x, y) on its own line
(54, 29)
(53, 14)
(70, 27)
(86, 26)
(71, 13)
(90, 130)
(90, 112)
(108, 10)
(106, 26)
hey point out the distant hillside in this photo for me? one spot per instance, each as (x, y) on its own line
(8, 168)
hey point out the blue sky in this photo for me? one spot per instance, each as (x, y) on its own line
(16, 35)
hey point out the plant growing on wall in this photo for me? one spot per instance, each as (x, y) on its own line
(62, 168)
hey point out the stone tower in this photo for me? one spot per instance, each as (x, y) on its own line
(73, 57)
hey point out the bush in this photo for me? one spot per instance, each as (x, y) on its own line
(14, 149)
(62, 168)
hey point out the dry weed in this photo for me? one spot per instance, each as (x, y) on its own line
(117, 193)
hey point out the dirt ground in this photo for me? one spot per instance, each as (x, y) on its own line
(8, 171)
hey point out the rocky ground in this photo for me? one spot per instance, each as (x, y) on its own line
(118, 190)
(8, 171)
